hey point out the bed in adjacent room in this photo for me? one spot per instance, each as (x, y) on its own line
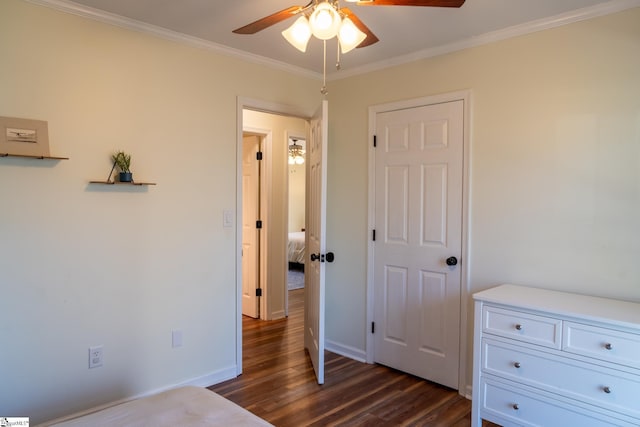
(296, 252)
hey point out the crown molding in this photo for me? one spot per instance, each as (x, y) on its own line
(612, 6)
(154, 30)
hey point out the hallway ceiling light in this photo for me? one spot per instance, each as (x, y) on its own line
(296, 153)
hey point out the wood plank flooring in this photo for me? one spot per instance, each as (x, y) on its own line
(278, 384)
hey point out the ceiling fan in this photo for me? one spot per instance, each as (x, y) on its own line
(336, 18)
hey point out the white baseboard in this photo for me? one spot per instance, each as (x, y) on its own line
(202, 381)
(210, 379)
(346, 351)
(468, 392)
(360, 356)
(277, 315)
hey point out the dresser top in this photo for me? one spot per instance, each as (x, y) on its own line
(617, 312)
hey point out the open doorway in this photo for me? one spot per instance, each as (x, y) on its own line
(296, 253)
(266, 221)
(276, 153)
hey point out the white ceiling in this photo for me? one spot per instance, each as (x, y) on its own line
(405, 32)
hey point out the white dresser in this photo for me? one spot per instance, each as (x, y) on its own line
(546, 358)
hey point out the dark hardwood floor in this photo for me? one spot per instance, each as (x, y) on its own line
(278, 384)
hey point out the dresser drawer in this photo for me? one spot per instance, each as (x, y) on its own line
(562, 359)
(606, 388)
(531, 328)
(503, 402)
(602, 343)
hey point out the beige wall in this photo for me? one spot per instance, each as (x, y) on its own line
(83, 265)
(277, 129)
(555, 191)
(555, 164)
(296, 197)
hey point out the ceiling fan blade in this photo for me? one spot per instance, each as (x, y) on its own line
(433, 3)
(371, 38)
(270, 20)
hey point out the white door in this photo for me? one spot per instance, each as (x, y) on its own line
(418, 221)
(250, 234)
(316, 196)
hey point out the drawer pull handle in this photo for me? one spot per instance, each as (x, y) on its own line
(607, 390)
(517, 365)
(519, 327)
(516, 406)
(608, 346)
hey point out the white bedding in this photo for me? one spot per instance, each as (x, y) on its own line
(296, 247)
(185, 407)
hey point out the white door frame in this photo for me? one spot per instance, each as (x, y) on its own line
(465, 96)
(243, 103)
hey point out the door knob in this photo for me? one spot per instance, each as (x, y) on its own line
(452, 261)
(329, 257)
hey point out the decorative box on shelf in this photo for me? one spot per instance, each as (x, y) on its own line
(25, 138)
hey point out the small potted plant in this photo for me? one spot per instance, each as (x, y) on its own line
(123, 161)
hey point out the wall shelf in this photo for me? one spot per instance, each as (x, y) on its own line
(109, 181)
(33, 157)
(121, 183)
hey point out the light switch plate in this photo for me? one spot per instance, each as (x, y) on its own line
(176, 338)
(227, 218)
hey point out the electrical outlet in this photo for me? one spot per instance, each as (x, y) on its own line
(95, 357)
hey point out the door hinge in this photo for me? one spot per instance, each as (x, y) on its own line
(259, 155)
(375, 141)
(373, 327)
(259, 292)
(259, 224)
(374, 234)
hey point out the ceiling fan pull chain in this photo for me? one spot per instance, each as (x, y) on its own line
(324, 70)
(338, 55)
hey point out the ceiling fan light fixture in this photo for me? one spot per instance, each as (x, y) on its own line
(350, 36)
(324, 21)
(298, 34)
